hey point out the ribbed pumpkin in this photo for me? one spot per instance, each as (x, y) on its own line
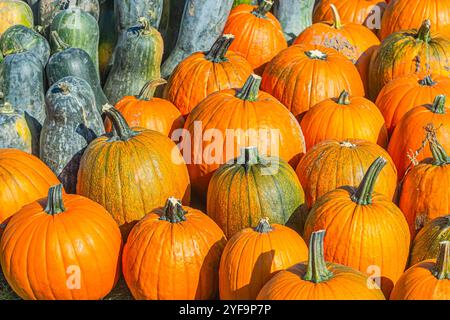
(304, 75)
(364, 229)
(334, 164)
(353, 40)
(404, 93)
(23, 179)
(409, 135)
(203, 73)
(71, 244)
(317, 279)
(250, 187)
(406, 52)
(14, 12)
(426, 243)
(254, 255)
(344, 118)
(428, 280)
(173, 253)
(132, 172)
(259, 36)
(238, 118)
(146, 111)
(425, 192)
(409, 14)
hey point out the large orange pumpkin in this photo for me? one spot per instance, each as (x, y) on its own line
(146, 111)
(353, 40)
(409, 136)
(406, 52)
(344, 118)
(428, 280)
(173, 253)
(203, 73)
(132, 172)
(228, 120)
(404, 93)
(425, 192)
(304, 75)
(409, 14)
(253, 255)
(317, 279)
(259, 36)
(23, 179)
(62, 247)
(334, 164)
(365, 229)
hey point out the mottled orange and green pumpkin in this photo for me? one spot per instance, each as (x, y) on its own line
(173, 253)
(14, 12)
(243, 191)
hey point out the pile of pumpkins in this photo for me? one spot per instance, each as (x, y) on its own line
(97, 96)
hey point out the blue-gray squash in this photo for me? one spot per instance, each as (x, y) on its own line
(294, 16)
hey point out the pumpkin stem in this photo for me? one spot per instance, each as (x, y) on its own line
(148, 90)
(263, 8)
(55, 203)
(250, 90)
(263, 226)
(316, 54)
(173, 211)
(60, 44)
(427, 81)
(62, 88)
(119, 123)
(424, 33)
(344, 98)
(249, 156)
(39, 29)
(7, 108)
(440, 157)
(442, 268)
(317, 270)
(347, 144)
(337, 23)
(439, 104)
(143, 27)
(363, 195)
(219, 49)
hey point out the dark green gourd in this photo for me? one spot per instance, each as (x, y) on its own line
(294, 16)
(176, 8)
(129, 11)
(137, 61)
(18, 38)
(202, 23)
(79, 30)
(108, 37)
(73, 122)
(14, 131)
(48, 9)
(74, 62)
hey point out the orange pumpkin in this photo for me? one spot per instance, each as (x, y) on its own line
(317, 279)
(147, 112)
(428, 280)
(353, 40)
(404, 93)
(334, 164)
(259, 36)
(365, 229)
(203, 73)
(228, 120)
(344, 118)
(408, 137)
(23, 179)
(173, 253)
(62, 247)
(303, 75)
(253, 255)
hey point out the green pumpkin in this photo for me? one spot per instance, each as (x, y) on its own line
(137, 61)
(108, 37)
(79, 30)
(14, 131)
(14, 12)
(252, 187)
(294, 16)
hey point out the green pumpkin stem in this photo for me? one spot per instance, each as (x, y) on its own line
(427, 81)
(424, 33)
(39, 29)
(55, 203)
(337, 23)
(363, 195)
(439, 104)
(120, 125)
(173, 211)
(317, 270)
(249, 156)
(442, 268)
(7, 108)
(263, 226)
(263, 8)
(148, 90)
(60, 44)
(250, 90)
(219, 49)
(344, 98)
(440, 157)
